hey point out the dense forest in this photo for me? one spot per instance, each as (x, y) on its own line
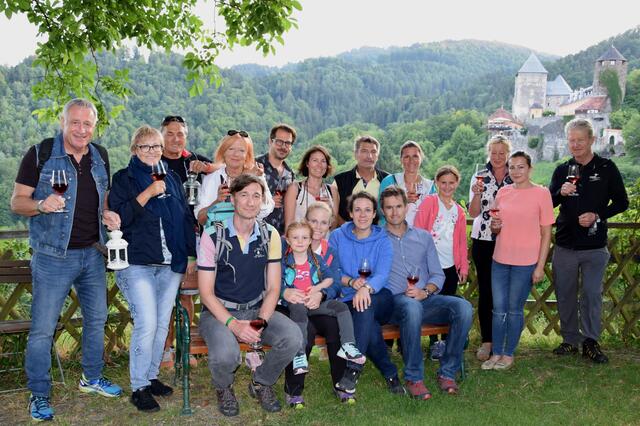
(438, 94)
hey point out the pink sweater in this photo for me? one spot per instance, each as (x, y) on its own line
(426, 215)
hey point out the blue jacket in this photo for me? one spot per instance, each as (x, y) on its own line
(289, 274)
(376, 248)
(141, 228)
(50, 233)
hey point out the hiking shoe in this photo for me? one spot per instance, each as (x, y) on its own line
(160, 389)
(227, 402)
(40, 408)
(101, 386)
(591, 349)
(294, 401)
(349, 380)
(395, 386)
(417, 390)
(448, 385)
(437, 350)
(345, 397)
(143, 400)
(565, 349)
(300, 364)
(266, 396)
(350, 352)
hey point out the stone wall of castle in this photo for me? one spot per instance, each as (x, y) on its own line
(529, 89)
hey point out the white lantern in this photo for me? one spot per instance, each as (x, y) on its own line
(117, 250)
(192, 189)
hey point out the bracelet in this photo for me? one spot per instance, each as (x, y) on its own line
(351, 280)
(231, 318)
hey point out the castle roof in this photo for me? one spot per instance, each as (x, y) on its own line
(612, 55)
(595, 103)
(558, 87)
(532, 65)
(536, 105)
(501, 114)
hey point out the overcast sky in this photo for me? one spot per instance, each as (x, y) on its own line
(329, 27)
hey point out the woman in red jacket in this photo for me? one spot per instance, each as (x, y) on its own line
(446, 221)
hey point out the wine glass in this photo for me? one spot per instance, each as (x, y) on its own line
(255, 355)
(257, 324)
(159, 172)
(59, 184)
(573, 176)
(364, 270)
(481, 173)
(323, 195)
(413, 276)
(494, 209)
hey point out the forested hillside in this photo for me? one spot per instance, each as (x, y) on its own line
(437, 94)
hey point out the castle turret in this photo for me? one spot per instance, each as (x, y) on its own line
(530, 88)
(612, 59)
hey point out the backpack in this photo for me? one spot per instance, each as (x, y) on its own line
(44, 152)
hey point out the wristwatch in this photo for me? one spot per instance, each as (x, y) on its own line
(427, 293)
(39, 206)
(368, 287)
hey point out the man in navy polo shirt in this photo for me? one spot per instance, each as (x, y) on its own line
(239, 284)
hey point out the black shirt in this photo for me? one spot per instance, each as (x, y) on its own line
(181, 164)
(601, 191)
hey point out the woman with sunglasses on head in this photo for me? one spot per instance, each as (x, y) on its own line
(158, 225)
(235, 153)
(314, 166)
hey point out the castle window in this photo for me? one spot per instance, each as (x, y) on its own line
(612, 140)
(612, 62)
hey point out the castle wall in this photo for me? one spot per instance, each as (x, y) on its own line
(530, 88)
(619, 67)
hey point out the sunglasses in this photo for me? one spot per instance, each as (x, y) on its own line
(242, 133)
(173, 118)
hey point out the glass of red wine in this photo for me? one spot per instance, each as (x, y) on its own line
(224, 184)
(364, 270)
(573, 176)
(257, 324)
(413, 276)
(481, 172)
(282, 185)
(159, 172)
(59, 184)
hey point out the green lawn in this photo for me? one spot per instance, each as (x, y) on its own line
(540, 389)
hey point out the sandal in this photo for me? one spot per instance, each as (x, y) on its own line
(483, 354)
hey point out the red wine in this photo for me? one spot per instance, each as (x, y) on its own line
(158, 176)
(573, 179)
(412, 280)
(479, 179)
(494, 211)
(364, 273)
(279, 192)
(59, 188)
(257, 324)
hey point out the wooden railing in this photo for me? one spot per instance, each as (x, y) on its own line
(621, 310)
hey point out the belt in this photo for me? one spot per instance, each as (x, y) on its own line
(241, 306)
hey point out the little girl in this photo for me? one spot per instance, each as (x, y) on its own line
(308, 273)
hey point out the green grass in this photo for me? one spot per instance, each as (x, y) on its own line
(540, 389)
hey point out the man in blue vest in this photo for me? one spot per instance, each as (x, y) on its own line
(64, 232)
(239, 276)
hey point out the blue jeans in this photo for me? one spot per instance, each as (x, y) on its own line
(52, 279)
(150, 292)
(367, 328)
(510, 286)
(410, 314)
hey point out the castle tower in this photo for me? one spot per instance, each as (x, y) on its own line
(611, 59)
(530, 88)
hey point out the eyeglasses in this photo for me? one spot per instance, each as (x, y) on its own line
(173, 118)
(280, 142)
(148, 148)
(242, 133)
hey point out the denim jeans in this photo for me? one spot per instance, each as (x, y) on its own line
(52, 279)
(150, 292)
(367, 328)
(410, 314)
(510, 286)
(282, 334)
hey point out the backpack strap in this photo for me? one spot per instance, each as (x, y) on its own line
(45, 147)
(219, 238)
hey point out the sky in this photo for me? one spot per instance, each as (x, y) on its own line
(330, 27)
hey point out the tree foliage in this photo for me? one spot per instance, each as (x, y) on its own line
(631, 134)
(77, 31)
(609, 79)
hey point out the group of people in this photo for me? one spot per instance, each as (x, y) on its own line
(280, 260)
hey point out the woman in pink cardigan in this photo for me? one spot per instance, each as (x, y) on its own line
(445, 220)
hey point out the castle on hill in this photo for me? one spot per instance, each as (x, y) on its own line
(541, 107)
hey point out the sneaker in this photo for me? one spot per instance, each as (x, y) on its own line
(565, 349)
(345, 397)
(350, 352)
(227, 402)
(265, 395)
(437, 350)
(448, 385)
(40, 408)
(591, 349)
(300, 364)
(417, 390)
(101, 386)
(160, 389)
(349, 380)
(395, 386)
(296, 402)
(143, 400)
